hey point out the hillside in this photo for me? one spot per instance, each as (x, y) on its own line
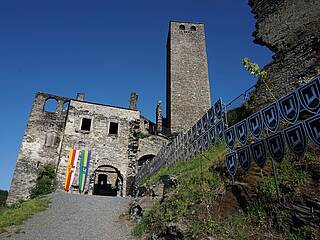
(205, 203)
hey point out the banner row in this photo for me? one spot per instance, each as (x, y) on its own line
(294, 136)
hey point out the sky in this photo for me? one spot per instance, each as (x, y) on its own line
(107, 49)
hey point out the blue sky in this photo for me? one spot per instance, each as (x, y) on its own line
(108, 49)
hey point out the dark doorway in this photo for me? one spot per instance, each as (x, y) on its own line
(107, 181)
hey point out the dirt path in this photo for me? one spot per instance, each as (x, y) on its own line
(78, 217)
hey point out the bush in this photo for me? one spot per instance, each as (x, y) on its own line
(237, 114)
(45, 181)
(3, 197)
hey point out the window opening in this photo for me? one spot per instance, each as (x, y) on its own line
(65, 106)
(50, 105)
(86, 124)
(51, 139)
(182, 27)
(113, 128)
(193, 28)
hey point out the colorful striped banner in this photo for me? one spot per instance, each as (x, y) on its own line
(84, 167)
(71, 156)
(72, 165)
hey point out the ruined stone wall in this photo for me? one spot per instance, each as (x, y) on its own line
(106, 149)
(151, 145)
(289, 28)
(188, 90)
(144, 125)
(34, 151)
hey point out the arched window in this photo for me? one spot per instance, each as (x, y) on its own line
(65, 106)
(193, 28)
(182, 27)
(50, 105)
(51, 139)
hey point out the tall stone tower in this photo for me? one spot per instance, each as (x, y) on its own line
(188, 89)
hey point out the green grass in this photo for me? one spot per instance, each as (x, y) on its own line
(199, 185)
(16, 214)
(289, 179)
(196, 184)
(193, 166)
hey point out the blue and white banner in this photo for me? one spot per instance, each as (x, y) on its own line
(231, 163)
(218, 110)
(313, 129)
(296, 138)
(275, 145)
(244, 157)
(270, 117)
(241, 130)
(309, 95)
(230, 137)
(259, 153)
(289, 107)
(255, 124)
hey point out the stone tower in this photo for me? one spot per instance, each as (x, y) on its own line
(188, 89)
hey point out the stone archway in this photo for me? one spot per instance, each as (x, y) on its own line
(108, 181)
(145, 158)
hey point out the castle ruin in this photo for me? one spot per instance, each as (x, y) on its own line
(120, 139)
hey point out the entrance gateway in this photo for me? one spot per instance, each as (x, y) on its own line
(108, 181)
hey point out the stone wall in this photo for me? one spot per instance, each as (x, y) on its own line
(116, 150)
(50, 135)
(151, 145)
(34, 150)
(289, 28)
(188, 90)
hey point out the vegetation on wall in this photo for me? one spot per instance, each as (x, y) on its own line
(3, 197)
(143, 135)
(253, 68)
(236, 115)
(45, 181)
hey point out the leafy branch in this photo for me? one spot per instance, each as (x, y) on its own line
(255, 70)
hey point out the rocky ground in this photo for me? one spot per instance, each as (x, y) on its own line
(78, 217)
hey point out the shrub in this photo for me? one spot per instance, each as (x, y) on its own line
(3, 197)
(45, 181)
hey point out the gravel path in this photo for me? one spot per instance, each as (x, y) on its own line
(72, 216)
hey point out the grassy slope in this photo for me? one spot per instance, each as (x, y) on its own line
(16, 214)
(202, 204)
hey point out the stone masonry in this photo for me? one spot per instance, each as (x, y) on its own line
(106, 148)
(49, 136)
(33, 151)
(290, 29)
(188, 89)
